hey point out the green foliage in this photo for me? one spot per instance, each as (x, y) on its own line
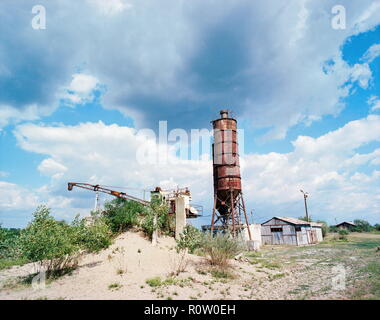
(164, 223)
(10, 254)
(92, 235)
(154, 282)
(220, 248)
(56, 245)
(114, 286)
(343, 234)
(221, 274)
(362, 226)
(121, 214)
(49, 242)
(8, 243)
(191, 238)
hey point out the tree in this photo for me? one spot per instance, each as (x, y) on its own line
(49, 243)
(164, 223)
(121, 214)
(362, 226)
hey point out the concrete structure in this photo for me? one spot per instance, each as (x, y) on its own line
(179, 205)
(255, 242)
(180, 214)
(345, 225)
(291, 231)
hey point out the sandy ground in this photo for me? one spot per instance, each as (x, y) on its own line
(121, 271)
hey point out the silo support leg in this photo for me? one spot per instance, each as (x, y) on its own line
(246, 218)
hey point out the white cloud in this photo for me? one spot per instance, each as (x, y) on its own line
(374, 103)
(372, 53)
(9, 114)
(155, 58)
(362, 74)
(81, 89)
(328, 167)
(14, 197)
(51, 167)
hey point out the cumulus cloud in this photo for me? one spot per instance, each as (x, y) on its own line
(328, 167)
(264, 60)
(14, 197)
(81, 89)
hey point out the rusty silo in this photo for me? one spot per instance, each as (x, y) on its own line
(228, 197)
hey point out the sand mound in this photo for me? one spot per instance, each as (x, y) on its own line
(128, 262)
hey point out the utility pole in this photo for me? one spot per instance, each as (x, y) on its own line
(305, 195)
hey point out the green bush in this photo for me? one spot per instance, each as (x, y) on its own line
(92, 236)
(220, 248)
(164, 223)
(121, 214)
(49, 242)
(343, 234)
(191, 238)
(362, 226)
(8, 243)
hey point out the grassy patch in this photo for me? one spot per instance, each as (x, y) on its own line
(221, 274)
(154, 282)
(7, 263)
(368, 244)
(114, 286)
(277, 276)
(270, 265)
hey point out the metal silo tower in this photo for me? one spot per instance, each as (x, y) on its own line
(228, 197)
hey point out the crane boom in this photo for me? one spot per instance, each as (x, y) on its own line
(99, 188)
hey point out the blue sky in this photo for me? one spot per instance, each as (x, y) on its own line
(74, 96)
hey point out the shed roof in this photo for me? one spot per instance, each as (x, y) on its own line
(295, 221)
(346, 222)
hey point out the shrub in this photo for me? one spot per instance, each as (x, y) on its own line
(92, 237)
(49, 242)
(191, 238)
(343, 234)
(154, 282)
(121, 214)
(164, 223)
(362, 226)
(8, 243)
(220, 248)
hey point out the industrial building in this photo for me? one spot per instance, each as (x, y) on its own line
(291, 231)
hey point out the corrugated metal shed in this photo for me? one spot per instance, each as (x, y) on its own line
(291, 231)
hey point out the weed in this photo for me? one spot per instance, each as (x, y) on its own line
(154, 282)
(114, 286)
